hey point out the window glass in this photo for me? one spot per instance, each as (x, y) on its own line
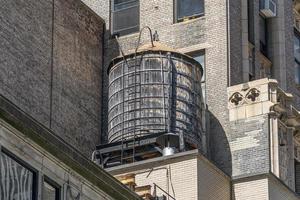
(50, 192)
(18, 180)
(297, 47)
(120, 4)
(188, 8)
(125, 16)
(200, 58)
(263, 35)
(297, 72)
(297, 57)
(297, 176)
(251, 21)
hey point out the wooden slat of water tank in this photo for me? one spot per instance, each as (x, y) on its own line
(144, 191)
(128, 179)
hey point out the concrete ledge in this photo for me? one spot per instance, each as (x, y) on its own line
(164, 160)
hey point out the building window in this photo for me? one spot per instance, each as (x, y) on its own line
(19, 180)
(297, 176)
(251, 63)
(297, 57)
(251, 21)
(297, 72)
(263, 35)
(51, 191)
(187, 9)
(199, 56)
(125, 16)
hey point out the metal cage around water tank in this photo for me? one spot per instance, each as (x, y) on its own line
(155, 90)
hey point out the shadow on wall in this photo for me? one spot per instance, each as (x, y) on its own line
(114, 51)
(219, 149)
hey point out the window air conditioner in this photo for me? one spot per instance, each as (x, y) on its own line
(268, 8)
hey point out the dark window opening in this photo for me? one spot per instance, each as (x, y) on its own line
(20, 181)
(263, 35)
(297, 72)
(187, 9)
(297, 177)
(51, 190)
(125, 17)
(251, 21)
(297, 47)
(252, 71)
(297, 57)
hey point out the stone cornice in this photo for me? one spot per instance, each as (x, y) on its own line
(67, 154)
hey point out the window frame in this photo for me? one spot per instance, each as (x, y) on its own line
(35, 181)
(111, 19)
(175, 11)
(58, 188)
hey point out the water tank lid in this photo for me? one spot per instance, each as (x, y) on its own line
(158, 47)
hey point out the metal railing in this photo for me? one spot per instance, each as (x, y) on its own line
(166, 193)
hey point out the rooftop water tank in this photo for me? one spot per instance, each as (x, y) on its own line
(155, 89)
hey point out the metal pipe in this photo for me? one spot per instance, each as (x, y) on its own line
(169, 182)
(140, 35)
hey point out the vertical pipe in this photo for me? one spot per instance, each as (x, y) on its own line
(170, 92)
(123, 109)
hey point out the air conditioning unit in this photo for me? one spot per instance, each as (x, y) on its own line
(267, 8)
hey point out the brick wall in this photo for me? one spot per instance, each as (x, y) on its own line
(251, 190)
(291, 85)
(266, 187)
(50, 66)
(182, 186)
(212, 184)
(278, 191)
(249, 145)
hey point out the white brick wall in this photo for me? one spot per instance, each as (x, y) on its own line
(251, 190)
(185, 178)
(182, 178)
(212, 183)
